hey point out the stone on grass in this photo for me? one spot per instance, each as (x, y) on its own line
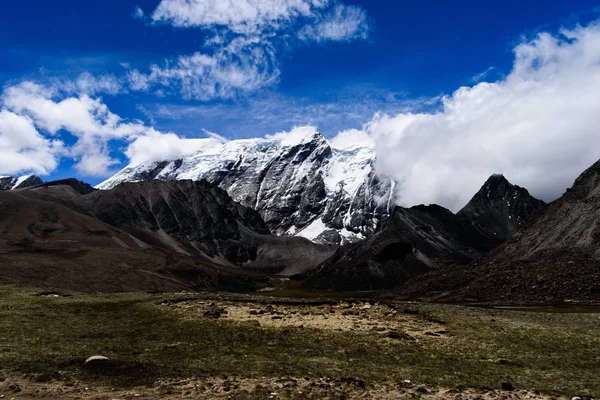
(96, 360)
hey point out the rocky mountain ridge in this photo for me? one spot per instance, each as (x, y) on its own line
(194, 234)
(553, 258)
(301, 185)
(423, 239)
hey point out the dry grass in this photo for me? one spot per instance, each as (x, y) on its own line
(167, 338)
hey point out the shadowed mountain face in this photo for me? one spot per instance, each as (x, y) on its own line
(414, 241)
(160, 236)
(423, 239)
(190, 217)
(554, 257)
(499, 208)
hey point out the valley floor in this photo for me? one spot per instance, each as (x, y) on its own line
(221, 346)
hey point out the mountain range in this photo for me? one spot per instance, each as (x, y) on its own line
(301, 185)
(236, 226)
(424, 239)
(554, 257)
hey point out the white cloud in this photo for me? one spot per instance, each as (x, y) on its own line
(88, 119)
(538, 126)
(245, 39)
(352, 138)
(244, 65)
(89, 84)
(215, 136)
(296, 136)
(483, 75)
(157, 146)
(138, 13)
(97, 130)
(343, 23)
(23, 149)
(81, 115)
(240, 16)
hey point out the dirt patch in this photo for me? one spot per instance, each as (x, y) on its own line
(358, 317)
(226, 388)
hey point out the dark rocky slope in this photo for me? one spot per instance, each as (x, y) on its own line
(500, 208)
(158, 236)
(424, 239)
(412, 242)
(196, 218)
(555, 257)
(45, 244)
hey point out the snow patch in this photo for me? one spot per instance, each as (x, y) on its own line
(312, 231)
(20, 180)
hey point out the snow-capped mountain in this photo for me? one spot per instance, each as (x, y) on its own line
(13, 183)
(299, 182)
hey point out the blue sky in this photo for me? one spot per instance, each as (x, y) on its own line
(305, 66)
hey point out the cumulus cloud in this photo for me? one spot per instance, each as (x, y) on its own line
(88, 119)
(37, 116)
(23, 148)
(81, 115)
(352, 138)
(538, 126)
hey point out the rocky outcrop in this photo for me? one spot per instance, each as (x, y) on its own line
(13, 183)
(301, 186)
(190, 217)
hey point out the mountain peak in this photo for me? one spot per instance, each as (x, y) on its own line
(497, 178)
(497, 182)
(499, 207)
